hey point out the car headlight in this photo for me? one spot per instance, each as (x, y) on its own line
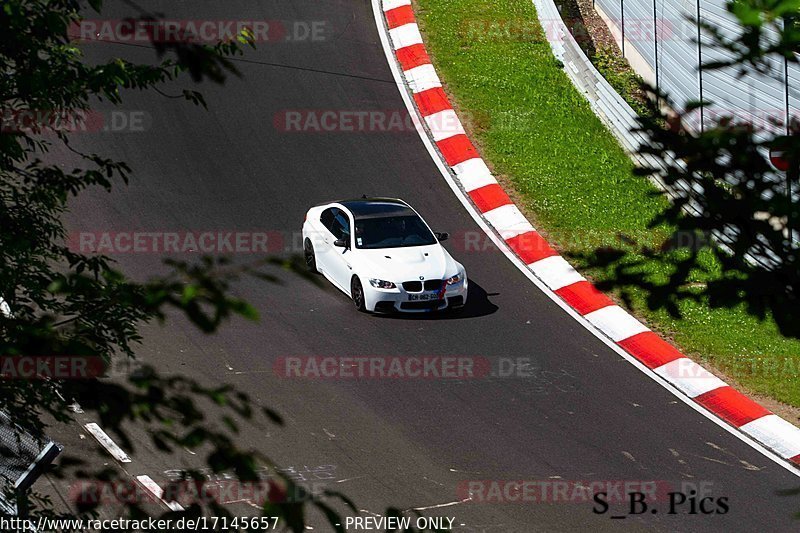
(381, 284)
(458, 278)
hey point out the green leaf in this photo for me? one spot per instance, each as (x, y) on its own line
(189, 294)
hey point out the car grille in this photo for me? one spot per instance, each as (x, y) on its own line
(412, 286)
(433, 285)
(416, 286)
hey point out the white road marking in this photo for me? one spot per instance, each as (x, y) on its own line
(5, 309)
(148, 483)
(448, 504)
(110, 446)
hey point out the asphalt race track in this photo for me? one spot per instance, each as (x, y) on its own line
(582, 413)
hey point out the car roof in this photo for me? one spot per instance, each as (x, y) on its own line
(377, 207)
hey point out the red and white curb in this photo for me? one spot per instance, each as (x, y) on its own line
(474, 178)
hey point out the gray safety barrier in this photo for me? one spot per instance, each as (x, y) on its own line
(618, 116)
(23, 458)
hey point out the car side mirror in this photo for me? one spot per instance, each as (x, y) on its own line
(442, 236)
(340, 243)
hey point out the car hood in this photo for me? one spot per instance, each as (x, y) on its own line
(408, 264)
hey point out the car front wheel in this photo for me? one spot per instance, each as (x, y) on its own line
(311, 259)
(357, 293)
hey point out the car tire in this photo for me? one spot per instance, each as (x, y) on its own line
(357, 293)
(311, 258)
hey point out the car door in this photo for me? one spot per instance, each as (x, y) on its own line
(337, 266)
(323, 243)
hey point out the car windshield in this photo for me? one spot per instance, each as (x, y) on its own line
(392, 232)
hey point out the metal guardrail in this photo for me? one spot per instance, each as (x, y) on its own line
(618, 116)
(23, 458)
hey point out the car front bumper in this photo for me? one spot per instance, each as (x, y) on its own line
(400, 300)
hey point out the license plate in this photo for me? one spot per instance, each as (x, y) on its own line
(424, 297)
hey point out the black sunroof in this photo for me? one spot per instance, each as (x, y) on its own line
(372, 207)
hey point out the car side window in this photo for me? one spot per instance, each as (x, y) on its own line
(327, 218)
(336, 221)
(341, 225)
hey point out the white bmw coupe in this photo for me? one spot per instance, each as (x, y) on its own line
(382, 254)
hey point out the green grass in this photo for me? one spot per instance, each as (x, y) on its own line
(539, 134)
(620, 75)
